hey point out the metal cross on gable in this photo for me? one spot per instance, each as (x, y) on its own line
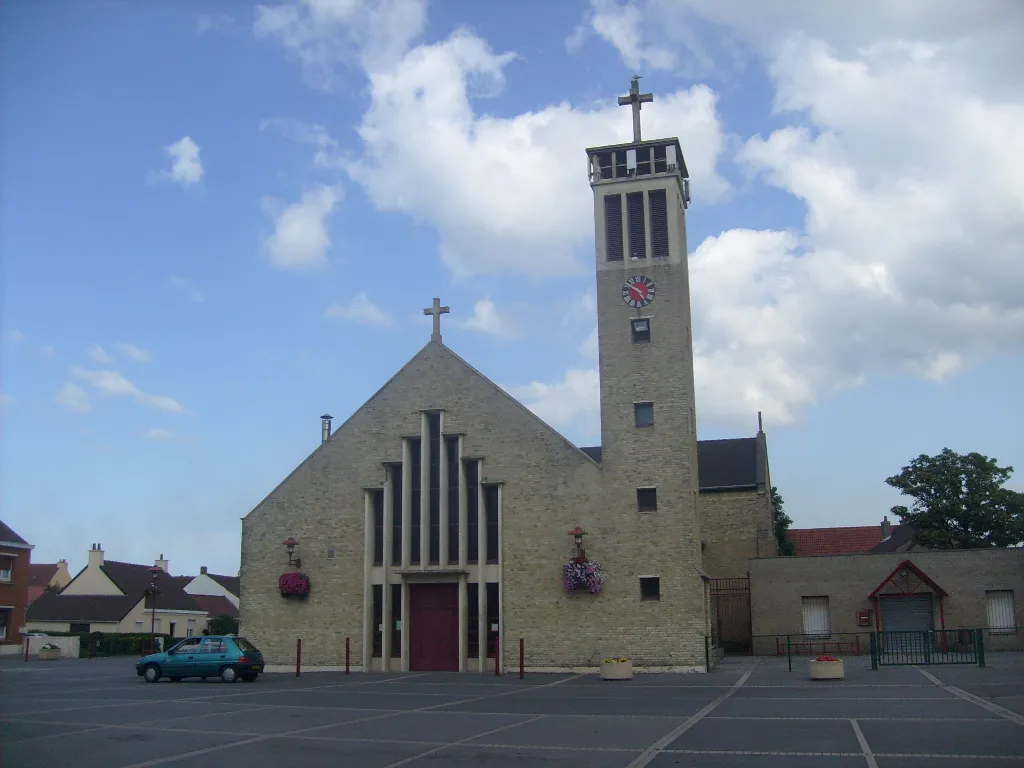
(436, 310)
(635, 99)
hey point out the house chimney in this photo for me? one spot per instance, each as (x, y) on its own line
(325, 422)
(95, 556)
(202, 570)
(760, 428)
(886, 528)
(162, 564)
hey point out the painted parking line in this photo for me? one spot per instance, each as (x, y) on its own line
(645, 757)
(865, 748)
(208, 750)
(1006, 714)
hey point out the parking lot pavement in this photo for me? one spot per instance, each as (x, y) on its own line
(751, 713)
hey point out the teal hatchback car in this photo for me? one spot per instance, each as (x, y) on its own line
(228, 657)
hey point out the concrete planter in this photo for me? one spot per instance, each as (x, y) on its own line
(617, 670)
(47, 654)
(827, 670)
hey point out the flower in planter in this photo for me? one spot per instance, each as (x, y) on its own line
(828, 658)
(579, 574)
(294, 585)
(620, 660)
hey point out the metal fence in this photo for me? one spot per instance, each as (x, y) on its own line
(939, 646)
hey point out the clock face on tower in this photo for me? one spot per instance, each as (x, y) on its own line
(638, 291)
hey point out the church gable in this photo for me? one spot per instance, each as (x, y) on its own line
(435, 379)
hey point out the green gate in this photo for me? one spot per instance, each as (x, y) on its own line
(938, 646)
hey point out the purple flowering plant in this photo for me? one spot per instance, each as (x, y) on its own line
(583, 574)
(294, 585)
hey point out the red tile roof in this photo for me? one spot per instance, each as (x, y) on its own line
(216, 605)
(835, 541)
(39, 574)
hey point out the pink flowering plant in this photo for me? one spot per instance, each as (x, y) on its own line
(583, 574)
(294, 585)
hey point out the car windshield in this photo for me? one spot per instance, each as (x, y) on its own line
(245, 645)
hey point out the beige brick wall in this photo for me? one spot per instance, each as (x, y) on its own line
(777, 585)
(550, 487)
(735, 526)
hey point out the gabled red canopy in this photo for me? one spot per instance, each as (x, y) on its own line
(910, 567)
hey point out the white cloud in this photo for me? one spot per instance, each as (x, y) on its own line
(209, 22)
(589, 348)
(99, 355)
(156, 433)
(186, 167)
(487, 319)
(135, 353)
(519, 202)
(905, 144)
(300, 239)
(73, 397)
(114, 384)
(572, 402)
(191, 293)
(47, 351)
(622, 26)
(6, 399)
(321, 34)
(326, 152)
(362, 310)
(16, 337)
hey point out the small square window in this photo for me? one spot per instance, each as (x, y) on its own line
(643, 414)
(641, 330)
(647, 499)
(650, 588)
(331, 553)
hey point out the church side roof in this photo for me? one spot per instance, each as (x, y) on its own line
(727, 464)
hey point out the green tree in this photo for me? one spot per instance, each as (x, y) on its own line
(960, 502)
(782, 523)
(224, 625)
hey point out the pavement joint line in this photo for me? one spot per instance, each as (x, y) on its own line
(219, 747)
(787, 753)
(865, 748)
(884, 719)
(435, 750)
(1006, 714)
(645, 757)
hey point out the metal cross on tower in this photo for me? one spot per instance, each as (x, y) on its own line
(436, 310)
(635, 99)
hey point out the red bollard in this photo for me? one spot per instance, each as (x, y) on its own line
(348, 655)
(497, 656)
(298, 657)
(522, 660)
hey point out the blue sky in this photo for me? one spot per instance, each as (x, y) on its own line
(217, 226)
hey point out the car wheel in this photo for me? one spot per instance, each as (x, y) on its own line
(151, 673)
(175, 679)
(249, 678)
(229, 675)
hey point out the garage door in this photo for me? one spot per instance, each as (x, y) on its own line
(907, 614)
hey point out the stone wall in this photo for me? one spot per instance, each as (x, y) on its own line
(549, 488)
(735, 526)
(778, 584)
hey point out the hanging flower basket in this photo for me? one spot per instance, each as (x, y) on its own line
(579, 574)
(294, 585)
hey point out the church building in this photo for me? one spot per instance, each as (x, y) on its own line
(443, 521)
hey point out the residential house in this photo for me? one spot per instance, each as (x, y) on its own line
(47, 576)
(852, 540)
(111, 596)
(15, 557)
(214, 593)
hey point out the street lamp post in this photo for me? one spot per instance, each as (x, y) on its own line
(154, 573)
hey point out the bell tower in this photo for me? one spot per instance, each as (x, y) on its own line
(648, 429)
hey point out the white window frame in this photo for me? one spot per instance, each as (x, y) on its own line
(817, 617)
(999, 612)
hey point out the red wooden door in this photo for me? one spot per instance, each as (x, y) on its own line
(434, 627)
